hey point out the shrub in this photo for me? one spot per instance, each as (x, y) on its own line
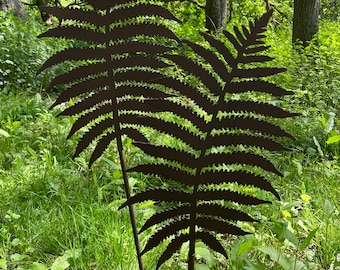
(22, 53)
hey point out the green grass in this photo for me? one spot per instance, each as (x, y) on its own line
(51, 204)
(56, 213)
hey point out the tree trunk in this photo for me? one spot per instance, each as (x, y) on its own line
(15, 5)
(306, 20)
(215, 14)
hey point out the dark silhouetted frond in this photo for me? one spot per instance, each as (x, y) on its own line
(212, 139)
(113, 39)
(219, 148)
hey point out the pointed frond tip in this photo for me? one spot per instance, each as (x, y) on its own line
(166, 231)
(244, 38)
(82, 73)
(73, 54)
(91, 135)
(171, 248)
(103, 142)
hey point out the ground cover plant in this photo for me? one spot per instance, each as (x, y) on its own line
(22, 54)
(56, 212)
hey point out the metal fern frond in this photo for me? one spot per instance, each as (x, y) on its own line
(111, 38)
(221, 140)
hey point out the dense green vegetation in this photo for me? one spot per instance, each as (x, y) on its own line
(56, 213)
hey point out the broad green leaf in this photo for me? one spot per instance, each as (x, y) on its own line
(32, 152)
(305, 197)
(16, 242)
(73, 253)
(18, 257)
(245, 247)
(4, 133)
(38, 266)
(328, 209)
(310, 236)
(147, 204)
(317, 144)
(289, 206)
(9, 62)
(100, 194)
(199, 266)
(277, 256)
(60, 263)
(298, 166)
(283, 231)
(299, 265)
(286, 214)
(254, 266)
(330, 122)
(3, 264)
(333, 139)
(184, 250)
(287, 234)
(323, 121)
(204, 252)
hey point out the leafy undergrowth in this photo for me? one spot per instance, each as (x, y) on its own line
(54, 210)
(56, 213)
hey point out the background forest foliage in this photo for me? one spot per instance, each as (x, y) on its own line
(56, 213)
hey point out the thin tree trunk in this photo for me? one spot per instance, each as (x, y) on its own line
(306, 20)
(16, 5)
(215, 14)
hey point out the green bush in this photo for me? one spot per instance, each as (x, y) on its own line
(22, 53)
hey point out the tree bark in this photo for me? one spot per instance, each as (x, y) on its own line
(306, 20)
(215, 14)
(16, 5)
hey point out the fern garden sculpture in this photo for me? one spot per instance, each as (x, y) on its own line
(212, 158)
(124, 83)
(110, 32)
